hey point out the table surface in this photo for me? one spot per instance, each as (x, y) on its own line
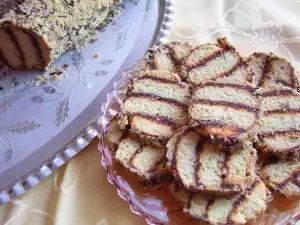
(79, 193)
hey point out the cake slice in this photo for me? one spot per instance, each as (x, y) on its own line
(114, 134)
(225, 111)
(279, 133)
(269, 70)
(236, 209)
(147, 162)
(209, 61)
(283, 177)
(201, 166)
(167, 57)
(155, 106)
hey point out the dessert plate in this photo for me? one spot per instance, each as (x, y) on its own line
(43, 126)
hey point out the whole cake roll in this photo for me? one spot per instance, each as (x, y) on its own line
(33, 33)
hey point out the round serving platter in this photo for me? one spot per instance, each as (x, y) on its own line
(41, 127)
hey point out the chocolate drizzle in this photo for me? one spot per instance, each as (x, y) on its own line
(279, 93)
(139, 150)
(206, 59)
(233, 105)
(281, 111)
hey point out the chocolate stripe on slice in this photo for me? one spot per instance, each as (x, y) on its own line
(204, 60)
(280, 132)
(228, 105)
(279, 93)
(281, 111)
(38, 49)
(293, 178)
(139, 150)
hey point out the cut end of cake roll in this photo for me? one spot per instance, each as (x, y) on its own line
(23, 49)
(204, 167)
(283, 177)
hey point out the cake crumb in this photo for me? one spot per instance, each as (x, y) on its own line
(42, 79)
(96, 55)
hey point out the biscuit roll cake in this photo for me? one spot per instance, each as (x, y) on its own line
(236, 209)
(147, 162)
(279, 133)
(33, 33)
(283, 177)
(210, 61)
(168, 57)
(269, 70)
(201, 166)
(225, 111)
(155, 106)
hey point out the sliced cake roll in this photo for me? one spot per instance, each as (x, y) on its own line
(269, 70)
(226, 111)
(283, 177)
(279, 133)
(209, 61)
(147, 162)
(155, 106)
(167, 57)
(201, 166)
(161, 83)
(114, 135)
(236, 209)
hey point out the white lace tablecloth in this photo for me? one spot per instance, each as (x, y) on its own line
(78, 193)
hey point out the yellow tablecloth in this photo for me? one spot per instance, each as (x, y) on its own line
(79, 193)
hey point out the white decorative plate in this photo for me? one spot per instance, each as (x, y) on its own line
(41, 127)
